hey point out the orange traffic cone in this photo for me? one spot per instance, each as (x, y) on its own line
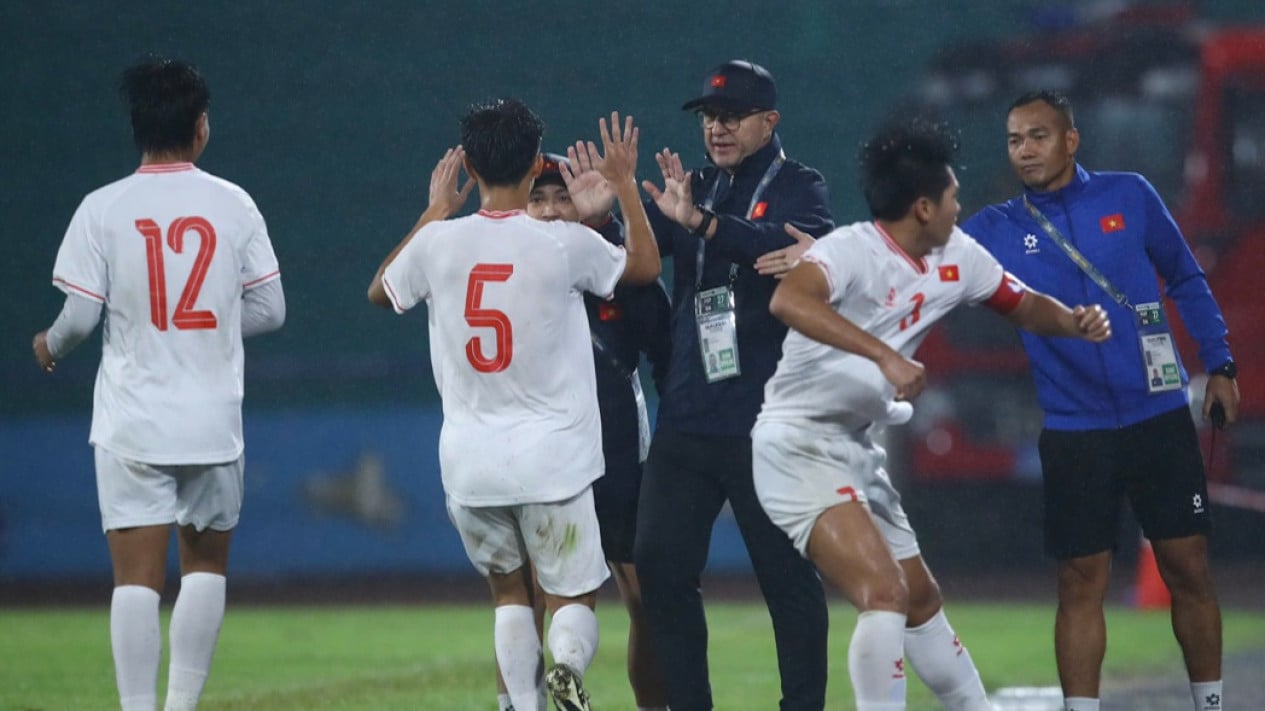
(1151, 593)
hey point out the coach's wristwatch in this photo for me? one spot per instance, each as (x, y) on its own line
(1228, 369)
(708, 216)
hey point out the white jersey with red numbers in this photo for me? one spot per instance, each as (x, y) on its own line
(169, 251)
(877, 286)
(510, 348)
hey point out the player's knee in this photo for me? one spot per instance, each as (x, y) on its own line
(888, 593)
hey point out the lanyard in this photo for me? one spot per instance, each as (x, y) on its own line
(1075, 255)
(769, 174)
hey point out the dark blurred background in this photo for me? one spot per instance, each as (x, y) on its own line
(332, 115)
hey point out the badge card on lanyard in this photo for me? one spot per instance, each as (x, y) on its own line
(714, 309)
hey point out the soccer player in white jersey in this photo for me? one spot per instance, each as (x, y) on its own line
(859, 304)
(181, 262)
(509, 342)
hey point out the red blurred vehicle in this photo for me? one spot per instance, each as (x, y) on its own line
(1157, 93)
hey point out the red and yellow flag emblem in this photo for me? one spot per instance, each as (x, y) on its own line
(758, 211)
(1111, 223)
(949, 272)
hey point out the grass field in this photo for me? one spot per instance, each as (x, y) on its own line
(440, 657)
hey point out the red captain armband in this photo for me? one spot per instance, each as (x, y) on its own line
(1008, 295)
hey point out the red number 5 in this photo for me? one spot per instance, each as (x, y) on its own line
(479, 317)
(185, 318)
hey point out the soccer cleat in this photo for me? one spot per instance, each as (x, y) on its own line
(567, 689)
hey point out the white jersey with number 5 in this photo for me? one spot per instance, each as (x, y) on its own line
(168, 250)
(878, 287)
(510, 349)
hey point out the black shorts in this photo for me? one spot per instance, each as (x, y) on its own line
(615, 497)
(1156, 464)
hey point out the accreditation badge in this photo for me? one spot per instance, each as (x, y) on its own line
(1158, 354)
(717, 333)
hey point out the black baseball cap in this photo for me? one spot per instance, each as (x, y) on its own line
(737, 85)
(551, 169)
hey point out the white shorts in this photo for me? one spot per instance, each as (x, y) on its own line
(560, 538)
(803, 468)
(137, 494)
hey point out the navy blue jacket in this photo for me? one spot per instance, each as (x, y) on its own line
(1121, 225)
(687, 402)
(633, 322)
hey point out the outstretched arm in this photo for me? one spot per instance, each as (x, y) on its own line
(445, 200)
(1047, 316)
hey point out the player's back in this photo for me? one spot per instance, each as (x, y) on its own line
(511, 352)
(169, 251)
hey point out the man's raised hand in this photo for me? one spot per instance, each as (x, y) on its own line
(445, 199)
(590, 192)
(675, 200)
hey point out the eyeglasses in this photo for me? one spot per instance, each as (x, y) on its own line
(708, 118)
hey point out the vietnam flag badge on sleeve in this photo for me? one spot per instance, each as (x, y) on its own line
(949, 272)
(1111, 223)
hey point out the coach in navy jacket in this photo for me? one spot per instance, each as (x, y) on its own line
(724, 217)
(1117, 423)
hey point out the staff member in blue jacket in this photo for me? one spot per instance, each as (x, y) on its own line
(716, 223)
(1117, 420)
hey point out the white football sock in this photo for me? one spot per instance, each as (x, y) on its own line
(518, 653)
(876, 661)
(573, 636)
(503, 703)
(195, 628)
(137, 643)
(1207, 695)
(944, 665)
(1080, 703)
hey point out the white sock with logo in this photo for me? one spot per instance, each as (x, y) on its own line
(944, 665)
(518, 653)
(1207, 695)
(137, 643)
(195, 629)
(573, 636)
(876, 661)
(1080, 703)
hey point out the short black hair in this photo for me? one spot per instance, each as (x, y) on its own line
(165, 98)
(502, 139)
(1056, 99)
(907, 159)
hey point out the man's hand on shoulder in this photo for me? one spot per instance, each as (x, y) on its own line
(780, 261)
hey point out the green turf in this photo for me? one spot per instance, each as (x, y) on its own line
(440, 657)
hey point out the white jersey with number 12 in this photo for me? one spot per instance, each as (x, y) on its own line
(169, 251)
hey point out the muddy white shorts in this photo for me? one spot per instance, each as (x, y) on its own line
(134, 494)
(802, 468)
(561, 539)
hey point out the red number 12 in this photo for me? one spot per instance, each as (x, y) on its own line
(185, 318)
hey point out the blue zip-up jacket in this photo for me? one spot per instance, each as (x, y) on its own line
(1121, 225)
(633, 322)
(687, 402)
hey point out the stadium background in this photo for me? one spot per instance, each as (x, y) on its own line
(331, 115)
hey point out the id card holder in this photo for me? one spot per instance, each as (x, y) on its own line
(717, 333)
(643, 418)
(1158, 354)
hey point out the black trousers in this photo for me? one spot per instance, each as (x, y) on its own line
(686, 482)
